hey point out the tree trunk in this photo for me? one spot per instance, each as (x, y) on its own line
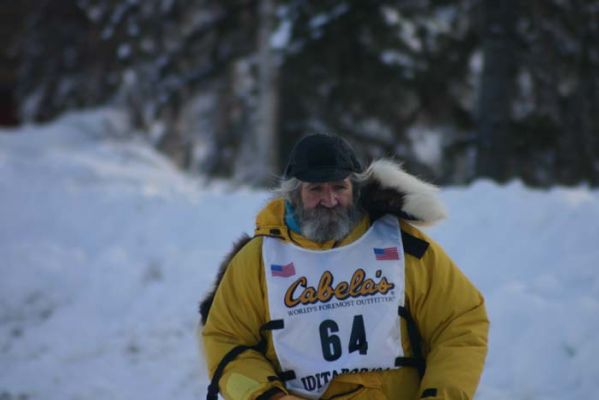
(497, 89)
(174, 143)
(266, 117)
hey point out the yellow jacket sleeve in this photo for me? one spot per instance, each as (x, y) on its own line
(450, 315)
(237, 313)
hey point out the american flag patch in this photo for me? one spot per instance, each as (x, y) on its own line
(389, 253)
(284, 271)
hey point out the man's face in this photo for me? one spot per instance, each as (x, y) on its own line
(327, 194)
(326, 210)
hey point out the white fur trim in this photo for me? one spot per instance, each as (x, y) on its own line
(420, 198)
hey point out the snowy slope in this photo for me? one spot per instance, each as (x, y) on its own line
(105, 250)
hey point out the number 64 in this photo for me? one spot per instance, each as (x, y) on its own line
(331, 344)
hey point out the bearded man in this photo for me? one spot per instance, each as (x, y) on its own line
(339, 296)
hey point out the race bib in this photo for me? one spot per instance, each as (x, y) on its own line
(339, 306)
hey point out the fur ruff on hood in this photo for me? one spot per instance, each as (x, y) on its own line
(388, 189)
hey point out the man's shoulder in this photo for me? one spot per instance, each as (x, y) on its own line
(421, 245)
(245, 249)
(243, 244)
(407, 228)
(415, 242)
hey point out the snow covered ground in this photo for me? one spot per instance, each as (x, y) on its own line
(105, 249)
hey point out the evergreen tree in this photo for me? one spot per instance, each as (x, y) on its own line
(395, 78)
(372, 71)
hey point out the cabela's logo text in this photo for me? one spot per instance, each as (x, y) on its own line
(300, 293)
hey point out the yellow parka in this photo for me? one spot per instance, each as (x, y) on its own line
(448, 312)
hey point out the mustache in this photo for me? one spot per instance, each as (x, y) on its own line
(319, 209)
(322, 216)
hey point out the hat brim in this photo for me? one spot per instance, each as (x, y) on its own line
(319, 175)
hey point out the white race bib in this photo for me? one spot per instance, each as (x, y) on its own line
(339, 306)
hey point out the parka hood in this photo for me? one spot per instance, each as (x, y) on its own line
(389, 189)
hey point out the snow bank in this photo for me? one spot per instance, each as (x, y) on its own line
(534, 256)
(105, 249)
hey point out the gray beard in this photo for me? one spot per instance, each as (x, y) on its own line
(323, 224)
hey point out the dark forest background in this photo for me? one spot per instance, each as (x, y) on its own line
(455, 89)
